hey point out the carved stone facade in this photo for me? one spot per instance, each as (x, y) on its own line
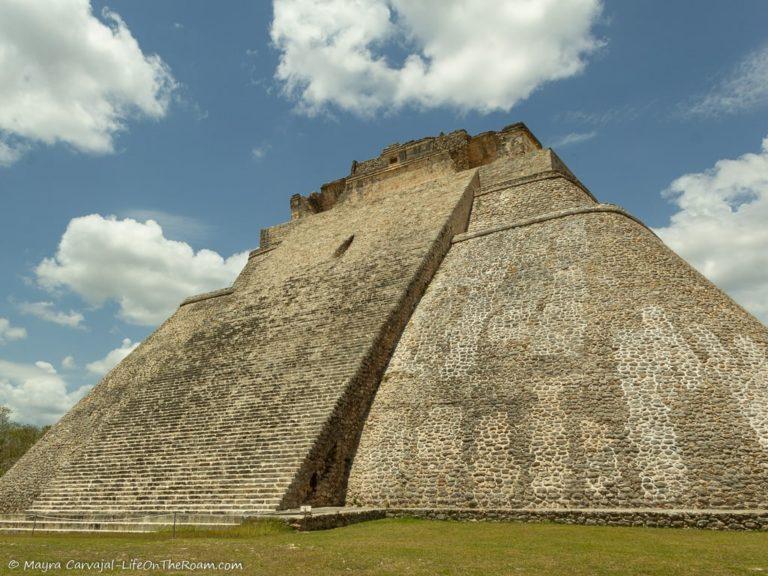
(459, 325)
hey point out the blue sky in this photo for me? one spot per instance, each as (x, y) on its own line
(218, 123)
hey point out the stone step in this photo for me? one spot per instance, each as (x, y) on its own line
(139, 498)
(162, 498)
(265, 412)
(131, 500)
(197, 485)
(265, 432)
(9, 530)
(103, 526)
(251, 450)
(114, 509)
(263, 443)
(201, 488)
(307, 420)
(96, 504)
(265, 408)
(255, 451)
(215, 433)
(252, 458)
(162, 470)
(159, 496)
(266, 461)
(148, 517)
(105, 510)
(249, 486)
(67, 489)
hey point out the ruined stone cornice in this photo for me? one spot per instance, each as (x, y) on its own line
(461, 149)
(207, 296)
(260, 251)
(596, 209)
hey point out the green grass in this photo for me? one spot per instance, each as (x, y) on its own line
(413, 547)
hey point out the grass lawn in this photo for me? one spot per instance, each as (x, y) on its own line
(404, 547)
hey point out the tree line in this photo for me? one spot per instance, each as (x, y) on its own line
(15, 439)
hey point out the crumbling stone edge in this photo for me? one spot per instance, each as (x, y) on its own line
(208, 296)
(262, 250)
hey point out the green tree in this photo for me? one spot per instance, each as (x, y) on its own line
(15, 439)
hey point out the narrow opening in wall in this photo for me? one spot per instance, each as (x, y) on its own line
(344, 246)
(313, 483)
(393, 160)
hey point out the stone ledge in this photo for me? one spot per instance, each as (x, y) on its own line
(597, 209)
(523, 180)
(207, 296)
(645, 517)
(716, 519)
(259, 251)
(327, 518)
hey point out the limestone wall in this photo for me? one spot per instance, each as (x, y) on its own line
(571, 363)
(534, 197)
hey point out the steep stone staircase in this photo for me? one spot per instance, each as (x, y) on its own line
(177, 467)
(250, 400)
(230, 423)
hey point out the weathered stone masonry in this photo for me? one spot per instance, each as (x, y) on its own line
(457, 328)
(563, 357)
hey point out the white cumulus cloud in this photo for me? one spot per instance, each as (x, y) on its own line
(721, 226)
(112, 359)
(258, 152)
(68, 76)
(745, 88)
(9, 152)
(174, 226)
(36, 393)
(573, 138)
(46, 311)
(9, 332)
(68, 363)
(469, 54)
(132, 263)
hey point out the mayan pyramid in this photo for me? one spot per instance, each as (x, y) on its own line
(457, 324)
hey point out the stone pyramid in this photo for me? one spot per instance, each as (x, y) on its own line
(457, 324)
